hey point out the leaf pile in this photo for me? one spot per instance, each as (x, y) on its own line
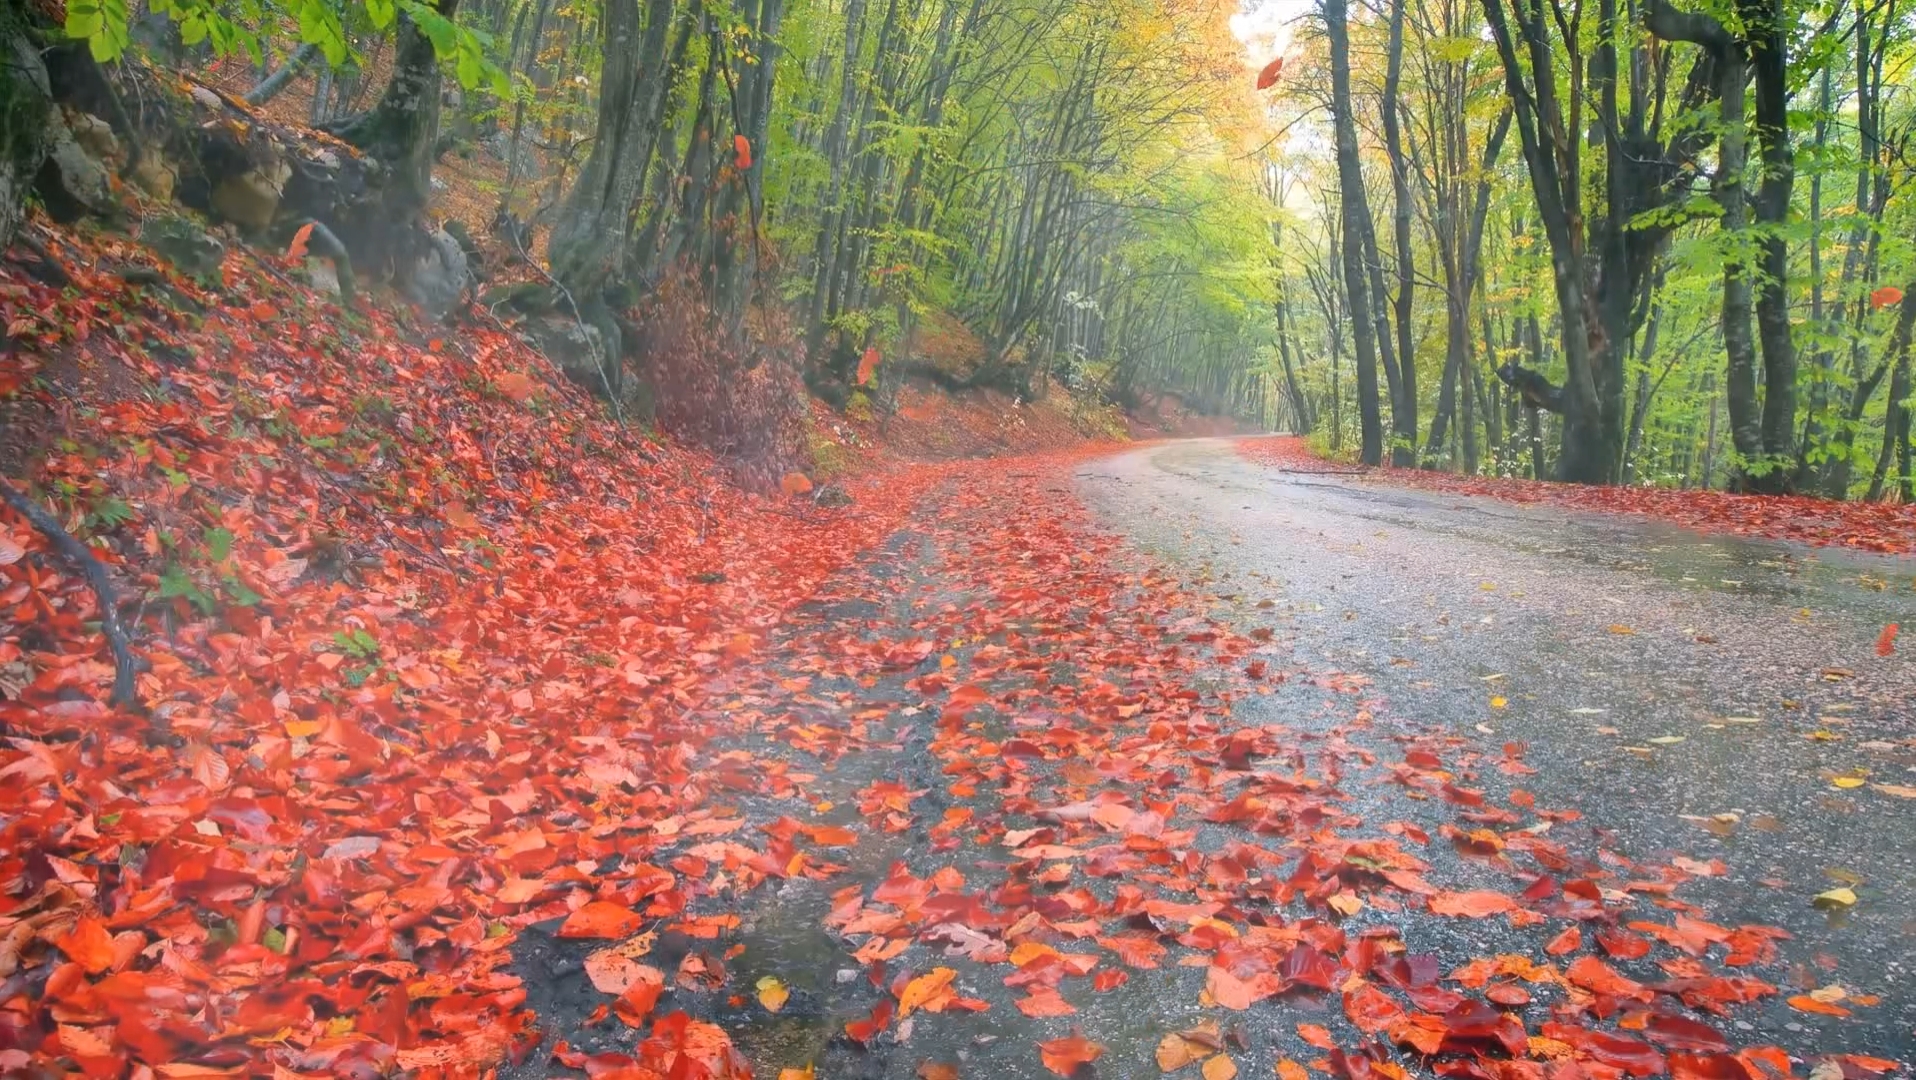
(1867, 526)
(423, 642)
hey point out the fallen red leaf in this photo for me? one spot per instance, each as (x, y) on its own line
(1064, 1056)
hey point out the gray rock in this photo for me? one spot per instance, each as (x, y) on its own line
(578, 348)
(440, 277)
(75, 175)
(185, 245)
(833, 495)
(322, 276)
(251, 198)
(499, 145)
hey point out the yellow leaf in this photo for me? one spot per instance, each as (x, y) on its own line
(1220, 1067)
(1835, 898)
(1498, 702)
(1619, 628)
(306, 729)
(796, 1074)
(772, 994)
(1849, 782)
(928, 991)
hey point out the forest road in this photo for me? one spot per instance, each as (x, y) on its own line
(1703, 695)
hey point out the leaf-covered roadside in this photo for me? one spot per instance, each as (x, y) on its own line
(1056, 818)
(1889, 528)
(422, 643)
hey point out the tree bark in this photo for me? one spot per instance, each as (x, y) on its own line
(1355, 215)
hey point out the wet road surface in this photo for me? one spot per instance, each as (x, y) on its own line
(1606, 639)
(1661, 699)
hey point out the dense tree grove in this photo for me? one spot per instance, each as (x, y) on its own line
(1656, 241)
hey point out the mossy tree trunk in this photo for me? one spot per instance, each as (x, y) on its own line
(400, 129)
(25, 100)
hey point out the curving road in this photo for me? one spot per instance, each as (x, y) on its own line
(1690, 694)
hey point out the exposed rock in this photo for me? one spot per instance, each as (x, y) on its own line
(578, 348)
(441, 276)
(184, 244)
(71, 181)
(833, 495)
(94, 135)
(250, 199)
(499, 145)
(322, 276)
(155, 177)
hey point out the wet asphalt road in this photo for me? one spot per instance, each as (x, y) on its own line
(1690, 694)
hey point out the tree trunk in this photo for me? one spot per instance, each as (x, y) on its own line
(1403, 409)
(400, 129)
(27, 98)
(1767, 27)
(1355, 215)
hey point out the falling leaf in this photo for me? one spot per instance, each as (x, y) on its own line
(296, 250)
(741, 152)
(1841, 897)
(795, 483)
(868, 365)
(805, 1073)
(1267, 78)
(1619, 628)
(1317, 1035)
(1847, 782)
(1499, 702)
(459, 517)
(1885, 296)
(771, 993)
(1899, 790)
(1667, 740)
(1886, 641)
(1291, 1070)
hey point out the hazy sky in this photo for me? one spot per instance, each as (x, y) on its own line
(1265, 26)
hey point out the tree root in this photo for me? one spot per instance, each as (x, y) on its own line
(125, 664)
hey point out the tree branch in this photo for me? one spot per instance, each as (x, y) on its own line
(125, 664)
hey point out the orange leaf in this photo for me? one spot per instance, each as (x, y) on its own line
(263, 311)
(1479, 904)
(601, 919)
(636, 1003)
(87, 944)
(867, 365)
(1220, 1067)
(1886, 641)
(1884, 297)
(1317, 1035)
(741, 152)
(1808, 1004)
(866, 1030)
(296, 250)
(1569, 941)
(929, 991)
(795, 483)
(1291, 1070)
(1063, 1056)
(516, 385)
(1268, 77)
(1044, 1001)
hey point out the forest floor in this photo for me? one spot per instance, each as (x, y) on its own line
(477, 732)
